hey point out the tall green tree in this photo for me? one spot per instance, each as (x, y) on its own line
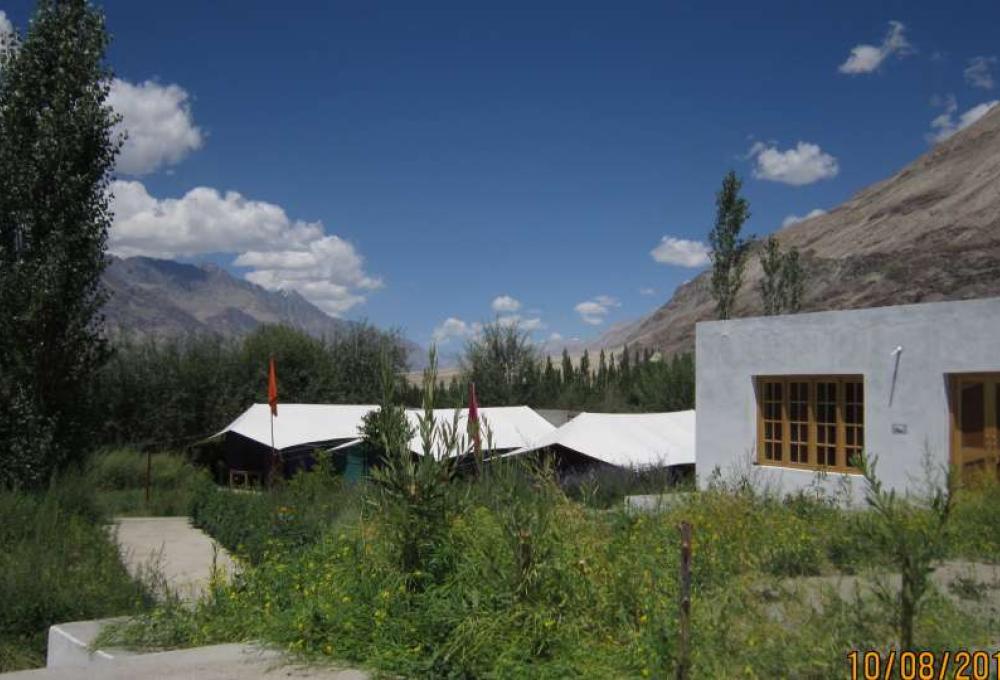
(57, 152)
(625, 368)
(771, 262)
(567, 369)
(503, 363)
(728, 248)
(585, 370)
(783, 283)
(550, 381)
(793, 279)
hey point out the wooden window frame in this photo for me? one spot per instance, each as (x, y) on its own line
(954, 380)
(842, 447)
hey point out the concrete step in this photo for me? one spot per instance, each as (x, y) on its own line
(217, 662)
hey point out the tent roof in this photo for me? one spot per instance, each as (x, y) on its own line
(626, 439)
(298, 424)
(512, 427)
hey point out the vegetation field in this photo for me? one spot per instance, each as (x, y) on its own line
(58, 563)
(504, 576)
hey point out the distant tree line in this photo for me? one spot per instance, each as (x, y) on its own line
(170, 393)
(508, 369)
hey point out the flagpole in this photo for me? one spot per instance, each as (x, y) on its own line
(272, 402)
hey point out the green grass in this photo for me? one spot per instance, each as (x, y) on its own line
(520, 581)
(119, 478)
(57, 564)
(295, 514)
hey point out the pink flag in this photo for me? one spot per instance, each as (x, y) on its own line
(473, 424)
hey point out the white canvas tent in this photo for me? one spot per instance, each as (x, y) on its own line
(299, 424)
(511, 427)
(301, 428)
(627, 440)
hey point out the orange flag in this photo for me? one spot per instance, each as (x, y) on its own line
(272, 389)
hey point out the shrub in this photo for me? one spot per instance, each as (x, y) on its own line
(119, 477)
(58, 564)
(513, 579)
(912, 534)
(294, 514)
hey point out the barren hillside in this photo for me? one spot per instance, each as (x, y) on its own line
(930, 232)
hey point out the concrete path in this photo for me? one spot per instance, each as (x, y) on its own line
(181, 554)
(218, 662)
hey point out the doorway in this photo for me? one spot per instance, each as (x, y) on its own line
(975, 421)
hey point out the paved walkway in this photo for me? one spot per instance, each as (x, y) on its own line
(181, 554)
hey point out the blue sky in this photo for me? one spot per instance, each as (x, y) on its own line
(411, 166)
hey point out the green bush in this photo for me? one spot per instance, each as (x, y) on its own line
(974, 536)
(58, 564)
(422, 573)
(119, 477)
(294, 514)
(529, 584)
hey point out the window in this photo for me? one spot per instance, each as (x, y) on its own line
(815, 422)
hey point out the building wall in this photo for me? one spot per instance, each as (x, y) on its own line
(937, 339)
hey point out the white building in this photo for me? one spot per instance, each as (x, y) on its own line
(786, 396)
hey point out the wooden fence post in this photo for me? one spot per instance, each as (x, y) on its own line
(684, 621)
(149, 473)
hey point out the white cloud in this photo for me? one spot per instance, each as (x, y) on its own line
(329, 273)
(454, 328)
(555, 337)
(867, 58)
(680, 252)
(281, 253)
(795, 219)
(945, 125)
(595, 310)
(647, 291)
(528, 325)
(158, 120)
(505, 303)
(979, 72)
(804, 164)
(202, 221)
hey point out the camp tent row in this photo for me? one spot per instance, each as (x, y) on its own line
(621, 440)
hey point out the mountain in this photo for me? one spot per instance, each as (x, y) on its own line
(929, 232)
(163, 298)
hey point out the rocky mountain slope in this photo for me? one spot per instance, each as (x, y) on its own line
(163, 298)
(930, 232)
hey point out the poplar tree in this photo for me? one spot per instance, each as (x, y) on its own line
(567, 368)
(728, 249)
(771, 262)
(624, 367)
(550, 381)
(602, 371)
(782, 286)
(57, 152)
(792, 281)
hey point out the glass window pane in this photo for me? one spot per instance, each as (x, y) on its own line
(973, 412)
